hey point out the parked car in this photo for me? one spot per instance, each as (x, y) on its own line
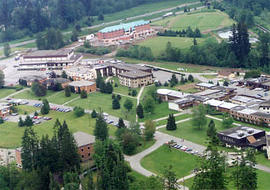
(14, 114)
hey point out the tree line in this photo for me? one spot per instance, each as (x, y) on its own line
(20, 18)
(182, 33)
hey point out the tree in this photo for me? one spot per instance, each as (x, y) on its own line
(173, 80)
(83, 94)
(198, 116)
(133, 92)
(1, 120)
(211, 174)
(38, 89)
(94, 114)
(7, 50)
(67, 91)
(129, 142)
(74, 35)
(149, 104)
(78, 111)
(139, 111)
(212, 134)
(2, 79)
(64, 75)
(121, 123)
(244, 174)
(101, 129)
(227, 121)
(252, 74)
(170, 179)
(263, 47)
(90, 185)
(45, 109)
(115, 104)
(100, 16)
(111, 166)
(225, 83)
(128, 104)
(190, 78)
(171, 125)
(20, 123)
(149, 130)
(28, 121)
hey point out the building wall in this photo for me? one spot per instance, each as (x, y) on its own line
(88, 89)
(137, 82)
(4, 112)
(86, 152)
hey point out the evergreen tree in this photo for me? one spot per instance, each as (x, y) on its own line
(74, 36)
(78, 111)
(112, 169)
(129, 141)
(212, 134)
(28, 121)
(67, 91)
(121, 123)
(115, 104)
(190, 78)
(171, 125)
(38, 89)
(7, 50)
(139, 111)
(198, 116)
(94, 114)
(64, 75)
(173, 80)
(101, 129)
(1, 120)
(2, 79)
(83, 94)
(45, 109)
(21, 122)
(128, 104)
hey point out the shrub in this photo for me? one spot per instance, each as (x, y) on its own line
(78, 111)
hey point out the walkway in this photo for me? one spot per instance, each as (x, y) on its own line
(66, 103)
(15, 93)
(138, 99)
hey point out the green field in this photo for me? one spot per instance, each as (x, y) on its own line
(10, 133)
(205, 21)
(60, 98)
(5, 92)
(25, 110)
(29, 95)
(158, 44)
(189, 132)
(181, 162)
(210, 76)
(177, 118)
(102, 101)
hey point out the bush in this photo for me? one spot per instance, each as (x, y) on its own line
(78, 111)
(83, 94)
(134, 92)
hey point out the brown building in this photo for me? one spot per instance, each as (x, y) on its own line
(85, 144)
(4, 110)
(135, 79)
(54, 81)
(28, 80)
(87, 86)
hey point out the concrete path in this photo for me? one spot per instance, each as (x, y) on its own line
(124, 95)
(66, 103)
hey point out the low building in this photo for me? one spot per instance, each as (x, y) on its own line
(135, 79)
(243, 137)
(54, 81)
(85, 143)
(265, 106)
(28, 80)
(87, 86)
(244, 99)
(48, 60)
(169, 95)
(81, 72)
(204, 86)
(181, 104)
(4, 110)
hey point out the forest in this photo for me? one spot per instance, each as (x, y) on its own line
(20, 18)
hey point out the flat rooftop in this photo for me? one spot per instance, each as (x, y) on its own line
(83, 139)
(81, 83)
(240, 132)
(135, 74)
(124, 26)
(48, 53)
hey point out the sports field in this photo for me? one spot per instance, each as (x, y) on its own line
(158, 44)
(205, 21)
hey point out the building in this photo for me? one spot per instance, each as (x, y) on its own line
(85, 144)
(28, 80)
(54, 81)
(4, 110)
(245, 99)
(87, 86)
(267, 136)
(135, 79)
(265, 106)
(243, 137)
(204, 86)
(230, 73)
(169, 95)
(127, 32)
(48, 60)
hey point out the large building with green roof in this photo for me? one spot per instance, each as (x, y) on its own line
(125, 32)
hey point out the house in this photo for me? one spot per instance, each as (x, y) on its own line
(87, 86)
(125, 32)
(243, 137)
(85, 144)
(4, 110)
(48, 60)
(50, 83)
(28, 80)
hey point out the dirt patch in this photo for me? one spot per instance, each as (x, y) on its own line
(186, 86)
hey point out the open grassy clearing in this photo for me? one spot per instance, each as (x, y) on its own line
(5, 92)
(29, 95)
(60, 98)
(158, 44)
(11, 134)
(205, 21)
(191, 68)
(210, 76)
(25, 109)
(102, 101)
(181, 162)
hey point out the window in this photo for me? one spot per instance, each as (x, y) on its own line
(82, 156)
(82, 149)
(88, 154)
(88, 147)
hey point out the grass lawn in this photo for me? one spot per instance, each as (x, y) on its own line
(25, 110)
(145, 145)
(122, 89)
(99, 100)
(5, 92)
(177, 118)
(191, 90)
(205, 21)
(158, 44)
(189, 132)
(181, 162)
(11, 134)
(261, 159)
(161, 110)
(191, 68)
(60, 98)
(209, 76)
(28, 94)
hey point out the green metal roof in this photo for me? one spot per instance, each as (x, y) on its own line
(125, 26)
